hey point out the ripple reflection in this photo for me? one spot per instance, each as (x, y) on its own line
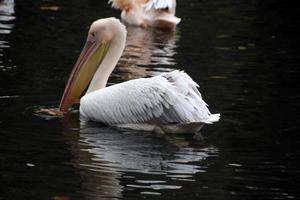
(6, 16)
(147, 53)
(6, 25)
(114, 160)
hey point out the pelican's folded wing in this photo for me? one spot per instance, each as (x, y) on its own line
(168, 98)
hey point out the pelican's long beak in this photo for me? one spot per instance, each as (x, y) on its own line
(90, 58)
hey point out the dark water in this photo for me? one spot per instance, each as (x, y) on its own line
(245, 56)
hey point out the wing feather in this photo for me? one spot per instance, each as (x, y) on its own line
(168, 98)
(159, 4)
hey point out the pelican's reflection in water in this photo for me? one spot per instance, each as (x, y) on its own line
(112, 161)
(148, 52)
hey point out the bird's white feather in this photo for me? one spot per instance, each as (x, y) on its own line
(168, 98)
(159, 4)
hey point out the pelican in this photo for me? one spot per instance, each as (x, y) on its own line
(144, 13)
(167, 103)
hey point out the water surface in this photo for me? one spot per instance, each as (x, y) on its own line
(244, 55)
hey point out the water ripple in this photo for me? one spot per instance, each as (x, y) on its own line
(147, 53)
(6, 16)
(6, 25)
(113, 154)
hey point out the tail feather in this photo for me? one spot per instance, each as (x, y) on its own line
(213, 118)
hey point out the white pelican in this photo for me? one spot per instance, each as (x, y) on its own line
(169, 102)
(154, 13)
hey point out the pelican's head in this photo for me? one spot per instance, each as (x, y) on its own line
(101, 33)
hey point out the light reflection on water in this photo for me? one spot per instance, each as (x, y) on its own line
(149, 162)
(147, 53)
(6, 16)
(6, 25)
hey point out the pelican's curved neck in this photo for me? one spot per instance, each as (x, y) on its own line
(111, 59)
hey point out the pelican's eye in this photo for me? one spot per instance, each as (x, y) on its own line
(93, 34)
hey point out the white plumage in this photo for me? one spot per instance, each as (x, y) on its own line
(144, 13)
(148, 4)
(159, 4)
(165, 99)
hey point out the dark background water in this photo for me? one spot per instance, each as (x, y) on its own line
(244, 55)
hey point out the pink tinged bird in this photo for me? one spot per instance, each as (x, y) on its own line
(145, 13)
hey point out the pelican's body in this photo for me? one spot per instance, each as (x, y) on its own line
(153, 13)
(169, 102)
